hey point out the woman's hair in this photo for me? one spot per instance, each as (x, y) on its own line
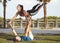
(21, 7)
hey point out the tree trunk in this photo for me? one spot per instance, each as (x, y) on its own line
(4, 6)
(45, 21)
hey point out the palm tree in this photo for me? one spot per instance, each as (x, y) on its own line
(0, 0)
(44, 7)
(4, 7)
(45, 20)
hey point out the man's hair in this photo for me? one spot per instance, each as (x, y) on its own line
(14, 39)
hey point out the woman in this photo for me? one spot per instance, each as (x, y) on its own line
(27, 14)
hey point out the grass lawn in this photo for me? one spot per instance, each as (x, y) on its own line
(5, 38)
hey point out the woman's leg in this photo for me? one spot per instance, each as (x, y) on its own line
(38, 7)
(35, 11)
(34, 7)
(28, 25)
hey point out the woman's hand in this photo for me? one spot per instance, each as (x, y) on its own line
(13, 30)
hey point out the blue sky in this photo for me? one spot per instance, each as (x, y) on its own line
(53, 8)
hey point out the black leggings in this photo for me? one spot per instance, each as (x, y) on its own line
(35, 9)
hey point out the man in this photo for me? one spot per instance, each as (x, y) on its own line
(29, 36)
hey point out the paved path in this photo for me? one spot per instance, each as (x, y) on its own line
(35, 31)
